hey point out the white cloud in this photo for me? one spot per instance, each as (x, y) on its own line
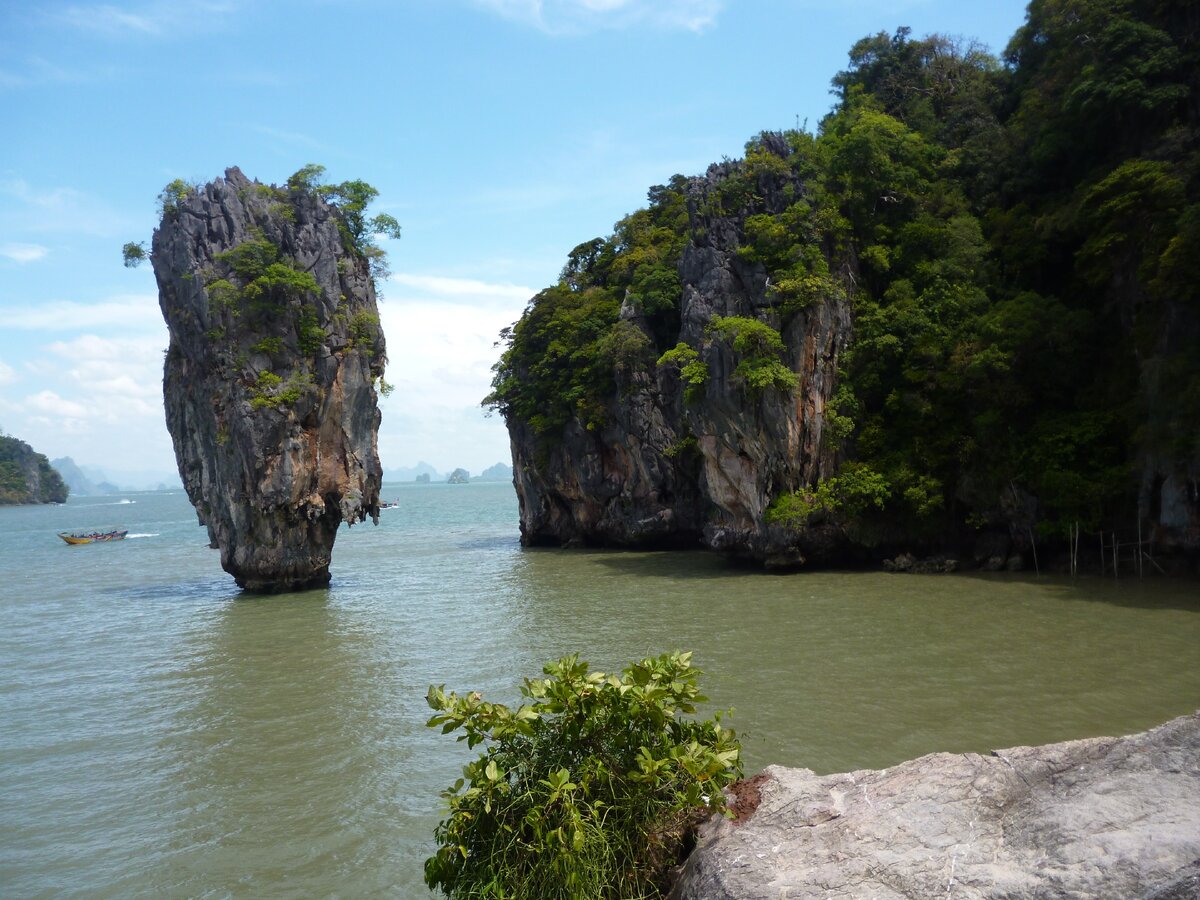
(23, 253)
(119, 311)
(479, 291)
(121, 376)
(441, 341)
(7, 374)
(52, 404)
(571, 16)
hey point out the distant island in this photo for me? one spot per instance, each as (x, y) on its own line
(413, 473)
(424, 473)
(498, 472)
(26, 476)
(80, 483)
(91, 481)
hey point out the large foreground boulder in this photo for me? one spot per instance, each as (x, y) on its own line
(1103, 817)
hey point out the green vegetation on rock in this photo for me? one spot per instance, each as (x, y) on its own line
(565, 356)
(587, 789)
(27, 476)
(1015, 237)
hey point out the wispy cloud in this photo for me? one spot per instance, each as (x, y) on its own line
(51, 404)
(23, 253)
(58, 209)
(122, 311)
(291, 138)
(109, 20)
(34, 70)
(163, 18)
(7, 373)
(573, 16)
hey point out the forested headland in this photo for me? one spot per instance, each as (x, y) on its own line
(26, 476)
(965, 305)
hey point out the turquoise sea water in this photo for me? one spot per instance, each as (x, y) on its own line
(163, 735)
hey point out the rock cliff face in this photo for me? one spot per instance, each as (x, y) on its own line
(673, 470)
(1105, 817)
(269, 380)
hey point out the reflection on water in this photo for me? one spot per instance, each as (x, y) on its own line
(283, 760)
(163, 735)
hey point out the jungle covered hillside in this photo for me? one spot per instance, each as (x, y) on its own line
(1017, 242)
(26, 476)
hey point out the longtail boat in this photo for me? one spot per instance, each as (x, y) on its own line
(92, 537)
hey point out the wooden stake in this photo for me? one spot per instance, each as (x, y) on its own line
(1139, 546)
(1033, 544)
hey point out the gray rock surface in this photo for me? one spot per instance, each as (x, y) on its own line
(270, 400)
(1097, 818)
(665, 472)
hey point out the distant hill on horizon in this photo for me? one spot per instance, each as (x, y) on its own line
(90, 481)
(410, 473)
(498, 472)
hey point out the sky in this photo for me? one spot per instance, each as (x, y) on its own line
(500, 133)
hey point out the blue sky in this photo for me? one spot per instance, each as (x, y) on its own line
(500, 133)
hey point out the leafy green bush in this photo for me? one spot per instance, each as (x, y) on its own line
(693, 371)
(855, 488)
(760, 347)
(587, 790)
(172, 196)
(271, 391)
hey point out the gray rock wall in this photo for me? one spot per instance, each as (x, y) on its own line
(272, 467)
(1104, 817)
(665, 471)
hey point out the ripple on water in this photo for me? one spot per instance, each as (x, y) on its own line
(165, 735)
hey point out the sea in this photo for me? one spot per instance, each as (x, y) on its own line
(163, 734)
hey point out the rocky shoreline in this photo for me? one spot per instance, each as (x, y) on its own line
(1101, 817)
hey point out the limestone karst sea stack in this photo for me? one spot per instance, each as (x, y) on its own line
(271, 372)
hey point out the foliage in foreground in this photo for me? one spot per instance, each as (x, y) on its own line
(586, 790)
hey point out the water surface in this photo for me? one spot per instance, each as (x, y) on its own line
(162, 734)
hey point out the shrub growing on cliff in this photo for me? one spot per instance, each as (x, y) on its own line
(586, 790)
(760, 346)
(855, 489)
(693, 371)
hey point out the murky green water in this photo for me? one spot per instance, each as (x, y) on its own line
(162, 735)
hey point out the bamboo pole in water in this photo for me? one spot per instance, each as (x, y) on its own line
(1139, 553)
